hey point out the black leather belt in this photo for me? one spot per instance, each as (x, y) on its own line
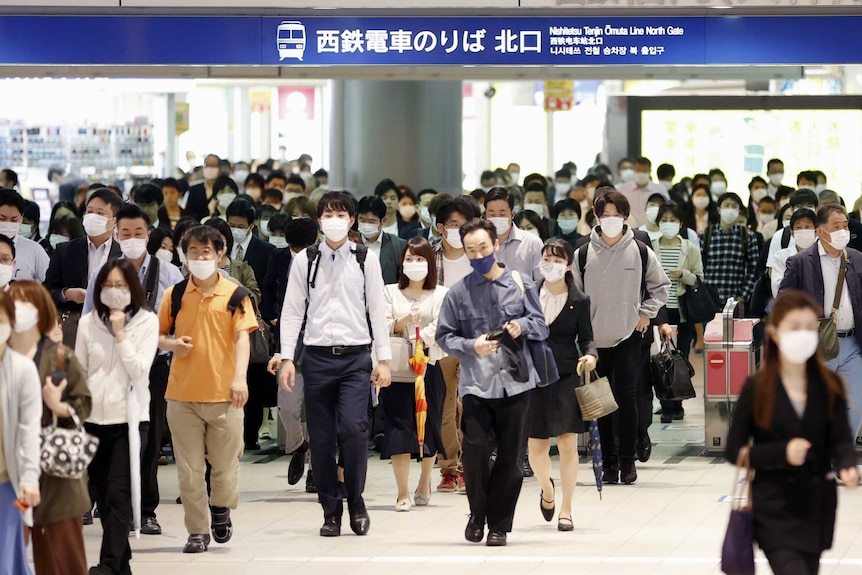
(848, 333)
(340, 349)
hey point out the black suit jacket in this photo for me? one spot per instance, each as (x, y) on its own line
(406, 230)
(257, 256)
(390, 257)
(69, 268)
(197, 205)
(273, 289)
(804, 273)
(794, 507)
(571, 332)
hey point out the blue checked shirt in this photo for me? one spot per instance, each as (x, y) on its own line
(727, 267)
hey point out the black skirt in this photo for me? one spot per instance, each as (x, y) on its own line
(399, 416)
(555, 409)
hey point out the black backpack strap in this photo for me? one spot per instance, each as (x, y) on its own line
(785, 237)
(176, 302)
(707, 239)
(743, 238)
(642, 248)
(361, 252)
(582, 260)
(313, 253)
(237, 297)
(152, 281)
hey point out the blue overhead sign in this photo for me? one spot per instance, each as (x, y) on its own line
(415, 41)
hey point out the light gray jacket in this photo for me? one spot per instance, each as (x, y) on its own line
(612, 279)
(22, 415)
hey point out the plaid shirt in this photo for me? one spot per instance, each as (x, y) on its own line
(437, 245)
(726, 266)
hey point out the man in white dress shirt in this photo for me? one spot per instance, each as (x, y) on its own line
(31, 259)
(322, 307)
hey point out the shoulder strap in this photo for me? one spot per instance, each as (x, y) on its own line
(176, 302)
(743, 236)
(61, 359)
(642, 248)
(518, 280)
(361, 252)
(152, 282)
(707, 239)
(582, 259)
(312, 252)
(236, 299)
(785, 237)
(842, 272)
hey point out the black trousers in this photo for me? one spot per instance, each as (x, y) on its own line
(793, 562)
(261, 393)
(622, 366)
(488, 425)
(337, 395)
(684, 338)
(110, 477)
(157, 430)
(644, 388)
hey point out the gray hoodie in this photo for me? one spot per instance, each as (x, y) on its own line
(612, 279)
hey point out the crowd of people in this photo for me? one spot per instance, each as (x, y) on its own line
(180, 312)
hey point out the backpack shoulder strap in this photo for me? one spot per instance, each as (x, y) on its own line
(152, 282)
(582, 259)
(361, 252)
(642, 248)
(177, 302)
(518, 280)
(237, 297)
(785, 237)
(707, 239)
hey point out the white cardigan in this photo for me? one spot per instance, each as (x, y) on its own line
(114, 367)
(22, 421)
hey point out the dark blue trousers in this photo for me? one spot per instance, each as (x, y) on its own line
(337, 391)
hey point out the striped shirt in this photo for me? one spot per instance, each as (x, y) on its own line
(670, 260)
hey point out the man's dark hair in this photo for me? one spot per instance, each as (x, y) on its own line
(108, 196)
(425, 192)
(300, 233)
(223, 182)
(264, 210)
(278, 222)
(643, 161)
(149, 194)
(171, 183)
(487, 175)
(338, 202)
(534, 186)
(563, 173)
(185, 223)
(665, 172)
(808, 175)
(803, 214)
(500, 193)
(783, 192)
(676, 211)
(321, 173)
(608, 195)
(255, 179)
(276, 175)
(131, 212)
(536, 177)
(242, 208)
(476, 225)
(566, 204)
(224, 229)
(11, 176)
(272, 194)
(455, 205)
(384, 186)
(434, 206)
(730, 196)
(804, 196)
(31, 212)
(371, 205)
(773, 162)
(205, 235)
(295, 180)
(756, 180)
(8, 242)
(824, 213)
(9, 197)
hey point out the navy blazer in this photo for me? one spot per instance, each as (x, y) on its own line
(804, 273)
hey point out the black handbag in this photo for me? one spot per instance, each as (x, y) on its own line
(544, 362)
(259, 339)
(700, 302)
(671, 373)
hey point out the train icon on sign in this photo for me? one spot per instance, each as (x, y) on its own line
(291, 40)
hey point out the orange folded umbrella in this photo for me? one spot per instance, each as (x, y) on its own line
(418, 362)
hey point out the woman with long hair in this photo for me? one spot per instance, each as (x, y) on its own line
(793, 414)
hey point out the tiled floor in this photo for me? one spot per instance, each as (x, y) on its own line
(671, 522)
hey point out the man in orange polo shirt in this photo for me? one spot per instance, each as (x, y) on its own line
(207, 387)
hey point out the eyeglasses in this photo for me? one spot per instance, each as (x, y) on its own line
(196, 254)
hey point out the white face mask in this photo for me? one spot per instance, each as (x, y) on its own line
(798, 346)
(264, 227)
(239, 176)
(5, 332)
(133, 248)
(6, 274)
(839, 239)
(424, 214)
(533, 231)
(516, 177)
(9, 229)
(766, 218)
(95, 225)
(627, 175)
(804, 238)
(502, 225)
(210, 172)
(819, 188)
(182, 256)
(729, 215)
(26, 316)
(669, 229)
(57, 239)
(164, 255)
(116, 298)
(453, 238)
(239, 235)
(335, 229)
(758, 194)
(416, 271)
(651, 213)
(535, 208)
(567, 226)
(202, 269)
(278, 241)
(641, 178)
(700, 202)
(368, 230)
(552, 272)
(776, 178)
(562, 188)
(224, 200)
(718, 187)
(25, 230)
(612, 226)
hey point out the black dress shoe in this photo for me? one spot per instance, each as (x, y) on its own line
(611, 474)
(150, 526)
(496, 539)
(666, 418)
(359, 520)
(88, 518)
(222, 526)
(253, 446)
(309, 482)
(528, 471)
(297, 464)
(331, 527)
(548, 514)
(197, 544)
(628, 472)
(679, 415)
(644, 448)
(475, 531)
